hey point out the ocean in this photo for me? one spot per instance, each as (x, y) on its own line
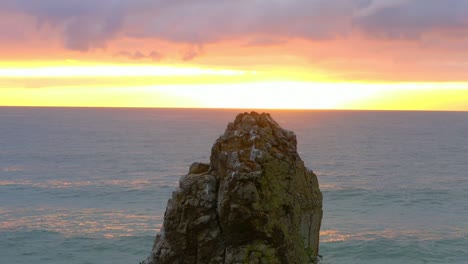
(90, 185)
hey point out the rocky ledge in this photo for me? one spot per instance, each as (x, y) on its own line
(255, 202)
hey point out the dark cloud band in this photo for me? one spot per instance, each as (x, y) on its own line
(88, 24)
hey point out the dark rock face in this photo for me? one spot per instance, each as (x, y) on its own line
(255, 202)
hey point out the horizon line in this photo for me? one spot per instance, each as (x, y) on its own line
(233, 108)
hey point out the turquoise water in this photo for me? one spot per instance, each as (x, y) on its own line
(91, 185)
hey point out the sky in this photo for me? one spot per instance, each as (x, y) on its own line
(294, 54)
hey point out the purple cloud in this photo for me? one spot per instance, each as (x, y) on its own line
(410, 19)
(265, 41)
(90, 24)
(83, 24)
(137, 55)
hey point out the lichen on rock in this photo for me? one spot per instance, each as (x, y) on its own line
(255, 202)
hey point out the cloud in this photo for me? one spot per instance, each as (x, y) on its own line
(155, 56)
(411, 19)
(88, 24)
(191, 53)
(210, 21)
(83, 24)
(265, 41)
(137, 55)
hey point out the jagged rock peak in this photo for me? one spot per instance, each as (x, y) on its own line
(258, 125)
(255, 202)
(258, 132)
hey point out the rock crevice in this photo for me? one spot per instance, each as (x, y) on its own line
(255, 202)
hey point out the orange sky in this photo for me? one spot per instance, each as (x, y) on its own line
(343, 54)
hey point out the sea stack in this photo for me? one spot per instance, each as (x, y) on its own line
(255, 202)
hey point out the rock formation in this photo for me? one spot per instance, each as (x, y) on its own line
(255, 202)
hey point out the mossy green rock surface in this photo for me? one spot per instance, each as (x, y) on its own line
(255, 202)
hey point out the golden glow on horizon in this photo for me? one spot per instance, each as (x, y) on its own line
(110, 71)
(74, 83)
(260, 95)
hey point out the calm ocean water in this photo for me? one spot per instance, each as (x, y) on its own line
(91, 185)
